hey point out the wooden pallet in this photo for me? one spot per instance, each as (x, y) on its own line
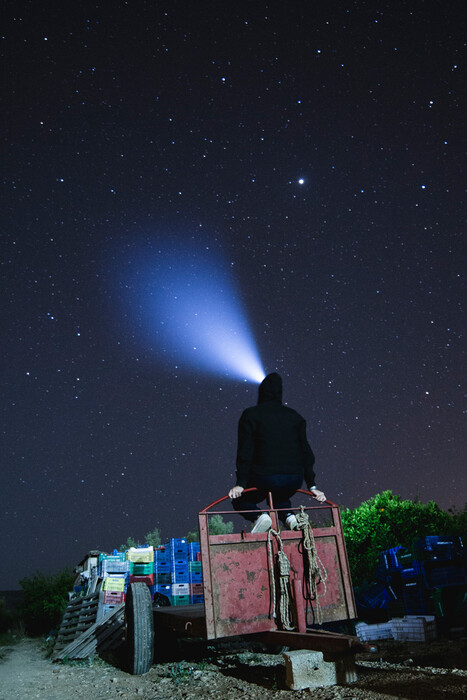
(79, 615)
(100, 636)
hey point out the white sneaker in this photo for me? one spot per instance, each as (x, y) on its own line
(291, 522)
(262, 523)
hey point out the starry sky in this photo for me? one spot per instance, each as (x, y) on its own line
(302, 159)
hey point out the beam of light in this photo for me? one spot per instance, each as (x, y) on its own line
(192, 312)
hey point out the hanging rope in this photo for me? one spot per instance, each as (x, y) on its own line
(285, 617)
(316, 571)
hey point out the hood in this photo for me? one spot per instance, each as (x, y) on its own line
(270, 388)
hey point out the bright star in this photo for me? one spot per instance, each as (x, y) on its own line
(301, 181)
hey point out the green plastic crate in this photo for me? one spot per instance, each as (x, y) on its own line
(121, 556)
(180, 600)
(139, 569)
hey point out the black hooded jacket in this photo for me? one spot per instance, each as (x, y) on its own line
(272, 437)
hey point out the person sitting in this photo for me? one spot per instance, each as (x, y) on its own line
(273, 454)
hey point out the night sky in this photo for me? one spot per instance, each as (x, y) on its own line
(294, 166)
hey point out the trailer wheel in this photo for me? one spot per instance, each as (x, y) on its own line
(139, 628)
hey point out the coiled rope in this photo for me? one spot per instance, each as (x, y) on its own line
(285, 609)
(316, 571)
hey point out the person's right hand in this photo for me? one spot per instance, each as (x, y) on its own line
(319, 495)
(236, 492)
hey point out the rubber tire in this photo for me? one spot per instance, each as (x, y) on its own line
(139, 629)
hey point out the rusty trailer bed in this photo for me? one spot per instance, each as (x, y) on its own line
(237, 586)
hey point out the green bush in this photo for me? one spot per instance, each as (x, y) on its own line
(151, 538)
(217, 526)
(45, 599)
(386, 521)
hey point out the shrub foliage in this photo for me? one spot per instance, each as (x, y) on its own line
(45, 599)
(217, 526)
(385, 521)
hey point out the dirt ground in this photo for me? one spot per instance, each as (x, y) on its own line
(398, 670)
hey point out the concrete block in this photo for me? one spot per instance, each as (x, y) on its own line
(307, 669)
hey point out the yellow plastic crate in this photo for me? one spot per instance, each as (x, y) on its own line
(140, 555)
(114, 584)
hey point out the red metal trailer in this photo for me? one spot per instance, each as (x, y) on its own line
(251, 588)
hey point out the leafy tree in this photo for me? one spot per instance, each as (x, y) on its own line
(153, 538)
(217, 526)
(385, 521)
(130, 542)
(45, 599)
(192, 536)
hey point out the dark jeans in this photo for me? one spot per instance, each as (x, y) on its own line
(282, 487)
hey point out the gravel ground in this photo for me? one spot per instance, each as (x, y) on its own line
(416, 670)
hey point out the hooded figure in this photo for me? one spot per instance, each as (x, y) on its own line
(273, 455)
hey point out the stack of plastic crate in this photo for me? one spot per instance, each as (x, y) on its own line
(405, 581)
(178, 553)
(141, 561)
(389, 574)
(195, 573)
(443, 561)
(441, 548)
(162, 575)
(114, 570)
(415, 595)
(416, 576)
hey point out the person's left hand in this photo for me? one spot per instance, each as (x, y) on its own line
(319, 495)
(236, 492)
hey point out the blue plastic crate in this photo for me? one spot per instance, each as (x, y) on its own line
(179, 563)
(438, 575)
(163, 579)
(179, 576)
(441, 547)
(389, 558)
(178, 555)
(415, 570)
(196, 599)
(161, 557)
(195, 576)
(416, 597)
(177, 547)
(162, 566)
(165, 590)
